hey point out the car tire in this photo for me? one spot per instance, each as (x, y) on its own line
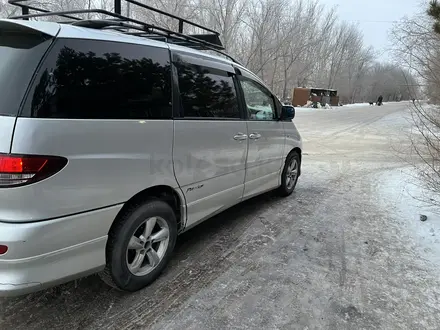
(290, 174)
(140, 245)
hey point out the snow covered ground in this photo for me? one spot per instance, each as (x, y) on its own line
(402, 193)
(348, 106)
(368, 104)
(356, 105)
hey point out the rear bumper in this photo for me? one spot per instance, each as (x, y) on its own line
(46, 253)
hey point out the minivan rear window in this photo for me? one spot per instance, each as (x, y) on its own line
(20, 54)
(91, 79)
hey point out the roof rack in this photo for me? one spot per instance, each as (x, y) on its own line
(207, 40)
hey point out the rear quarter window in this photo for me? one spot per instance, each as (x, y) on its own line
(20, 54)
(88, 79)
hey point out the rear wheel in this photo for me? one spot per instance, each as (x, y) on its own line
(290, 174)
(140, 245)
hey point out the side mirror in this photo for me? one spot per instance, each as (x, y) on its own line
(287, 112)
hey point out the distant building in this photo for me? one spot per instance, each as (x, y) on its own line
(300, 96)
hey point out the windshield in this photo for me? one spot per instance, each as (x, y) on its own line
(20, 54)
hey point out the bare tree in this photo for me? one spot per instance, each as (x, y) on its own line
(6, 9)
(263, 42)
(183, 8)
(312, 68)
(417, 48)
(225, 16)
(298, 53)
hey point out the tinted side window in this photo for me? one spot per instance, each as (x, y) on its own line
(84, 79)
(207, 92)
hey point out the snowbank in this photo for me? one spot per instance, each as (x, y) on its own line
(345, 106)
(368, 104)
(356, 105)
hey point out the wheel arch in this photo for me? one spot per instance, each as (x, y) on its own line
(163, 192)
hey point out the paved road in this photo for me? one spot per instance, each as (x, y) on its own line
(334, 255)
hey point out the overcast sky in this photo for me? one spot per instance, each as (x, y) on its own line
(375, 17)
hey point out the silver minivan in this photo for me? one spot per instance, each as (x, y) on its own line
(112, 144)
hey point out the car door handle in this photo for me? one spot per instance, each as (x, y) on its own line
(240, 137)
(254, 136)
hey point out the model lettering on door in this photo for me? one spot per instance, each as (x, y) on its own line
(194, 188)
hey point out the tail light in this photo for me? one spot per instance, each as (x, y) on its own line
(3, 249)
(18, 170)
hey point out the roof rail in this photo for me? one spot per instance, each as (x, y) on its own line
(207, 40)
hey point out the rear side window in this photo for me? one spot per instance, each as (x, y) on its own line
(207, 92)
(85, 79)
(20, 54)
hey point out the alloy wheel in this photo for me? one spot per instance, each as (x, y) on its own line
(291, 174)
(147, 246)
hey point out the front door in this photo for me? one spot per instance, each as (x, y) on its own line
(210, 140)
(266, 139)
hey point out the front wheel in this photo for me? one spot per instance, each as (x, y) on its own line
(140, 245)
(290, 174)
